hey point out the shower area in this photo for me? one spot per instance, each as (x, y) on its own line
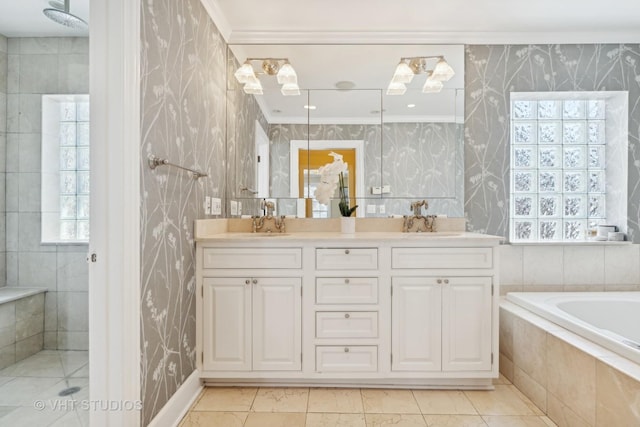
(44, 184)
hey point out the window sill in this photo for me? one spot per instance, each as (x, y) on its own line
(569, 243)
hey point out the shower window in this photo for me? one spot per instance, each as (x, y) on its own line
(561, 146)
(65, 168)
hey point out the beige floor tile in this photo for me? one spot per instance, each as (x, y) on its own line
(379, 401)
(395, 420)
(504, 400)
(227, 399)
(515, 421)
(501, 380)
(214, 419)
(335, 420)
(548, 422)
(282, 399)
(454, 421)
(342, 400)
(449, 402)
(275, 419)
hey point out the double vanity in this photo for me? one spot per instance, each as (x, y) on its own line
(373, 308)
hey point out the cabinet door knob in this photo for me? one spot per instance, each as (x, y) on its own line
(446, 281)
(439, 281)
(246, 282)
(254, 281)
(346, 251)
(346, 281)
(346, 349)
(347, 315)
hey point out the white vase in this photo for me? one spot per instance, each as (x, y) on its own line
(348, 224)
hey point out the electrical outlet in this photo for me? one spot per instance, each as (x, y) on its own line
(216, 206)
(376, 190)
(207, 205)
(382, 209)
(371, 209)
(386, 189)
(234, 208)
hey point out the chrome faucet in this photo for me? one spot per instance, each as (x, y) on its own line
(418, 221)
(258, 222)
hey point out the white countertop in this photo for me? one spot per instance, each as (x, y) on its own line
(446, 236)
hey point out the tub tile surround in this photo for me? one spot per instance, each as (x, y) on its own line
(531, 268)
(572, 380)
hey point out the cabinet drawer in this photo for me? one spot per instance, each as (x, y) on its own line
(441, 258)
(347, 290)
(357, 358)
(347, 259)
(252, 258)
(347, 324)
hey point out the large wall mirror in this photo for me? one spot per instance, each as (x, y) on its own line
(399, 148)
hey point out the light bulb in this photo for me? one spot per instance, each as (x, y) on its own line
(403, 73)
(245, 73)
(442, 71)
(287, 74)
(396, 89)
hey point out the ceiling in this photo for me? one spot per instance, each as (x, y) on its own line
(447, 21)
(24, 18)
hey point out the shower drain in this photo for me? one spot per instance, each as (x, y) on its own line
(69, 391)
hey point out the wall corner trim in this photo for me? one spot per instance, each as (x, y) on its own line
(218, 18)
(179, 404)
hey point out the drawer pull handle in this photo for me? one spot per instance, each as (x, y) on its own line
(346, 349)
(439, 281)
(346, 251)
(347, 315)
(446, 281)
(246, 282)
(346, 281)
(254, 281)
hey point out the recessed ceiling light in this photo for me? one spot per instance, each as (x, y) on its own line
(345, 85)
(411, 105)
(310, 107)
(377, 111)
(276, 111)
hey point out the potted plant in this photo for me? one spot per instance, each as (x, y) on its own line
(332, 176)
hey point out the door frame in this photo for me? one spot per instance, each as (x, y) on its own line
(326, 144)
(114, 277)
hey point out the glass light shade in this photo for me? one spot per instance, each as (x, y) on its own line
(432, 85)
(290, 89)
(396, 89)
(403, 73)
(253, 88)
(442, 71)
(287, 75)
(245, 73)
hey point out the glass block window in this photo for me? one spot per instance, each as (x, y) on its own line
(65, 168)
(558, 173)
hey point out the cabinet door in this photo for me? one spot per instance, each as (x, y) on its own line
(415, 323)
(466, 324)
(227, 324)
(277, 324)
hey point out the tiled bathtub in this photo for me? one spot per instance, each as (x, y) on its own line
(21, 323)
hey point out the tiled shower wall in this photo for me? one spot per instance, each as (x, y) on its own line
(38, 66)
(3, 150)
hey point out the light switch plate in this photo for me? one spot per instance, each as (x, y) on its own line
(239, 208)
(234, 207)
(371, 209)
(376, 190)
(382, 209)
(216, 206)
(207, 205)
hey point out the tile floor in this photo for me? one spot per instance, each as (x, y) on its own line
(318, 407)
(40, 378)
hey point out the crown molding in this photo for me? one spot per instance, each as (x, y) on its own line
(215, 13)
(418, 37)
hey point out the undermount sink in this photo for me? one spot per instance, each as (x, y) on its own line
(267, 234)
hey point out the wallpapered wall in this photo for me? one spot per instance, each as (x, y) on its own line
(492, 72)
(3, 149)
(413, 158)
(183, 119)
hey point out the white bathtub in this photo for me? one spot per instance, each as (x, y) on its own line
(610, 319)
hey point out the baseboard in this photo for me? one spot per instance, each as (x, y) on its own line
(172, 412)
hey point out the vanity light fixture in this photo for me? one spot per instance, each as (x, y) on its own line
(410, 66)
(279, 67)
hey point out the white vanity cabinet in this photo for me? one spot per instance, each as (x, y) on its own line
(370, 309)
